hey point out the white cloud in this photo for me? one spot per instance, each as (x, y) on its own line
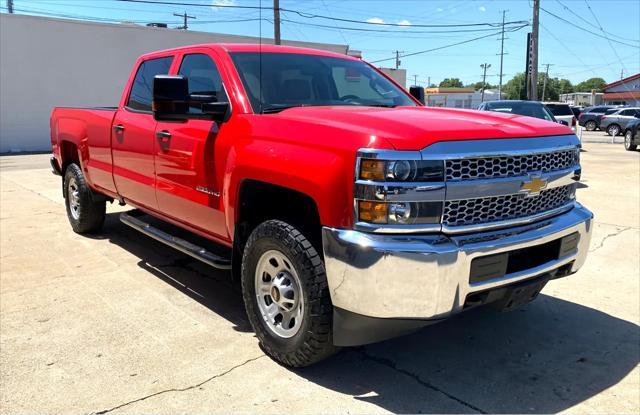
(216, 3)
(440, 9)
(375, 20)
(404, 22)
(482, 9)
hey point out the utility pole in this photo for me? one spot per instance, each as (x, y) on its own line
(484, 66)
(10, 6)
(276, 21)
(544, 83)
(534, 52)
(501, 56)
(415, 80)
(621, 70)
(185, 16)
(428, 82)
(397, 59)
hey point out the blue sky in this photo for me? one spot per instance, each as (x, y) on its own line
(573, 53)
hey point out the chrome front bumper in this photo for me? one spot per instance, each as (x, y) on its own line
(426, 277)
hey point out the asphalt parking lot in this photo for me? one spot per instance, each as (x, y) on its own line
(119, 323)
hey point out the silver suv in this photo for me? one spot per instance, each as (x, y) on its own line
(616, 123)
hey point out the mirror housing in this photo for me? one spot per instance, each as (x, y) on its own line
(172, 101)
(563, 122)
(418, 93)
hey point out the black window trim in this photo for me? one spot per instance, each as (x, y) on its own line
(126, 106)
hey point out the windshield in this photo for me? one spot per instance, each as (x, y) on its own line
(295, 80)
(558, 109)
(530, 109)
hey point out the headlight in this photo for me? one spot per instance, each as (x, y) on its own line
(399, 213)
(401, 170)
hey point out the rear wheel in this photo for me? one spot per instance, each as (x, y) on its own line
(613, 130)
(84, 213)
(286, 295)
(628, 141)
(590, 126)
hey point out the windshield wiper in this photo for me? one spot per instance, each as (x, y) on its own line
(272, 109)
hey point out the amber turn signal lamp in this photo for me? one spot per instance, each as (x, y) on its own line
(372, 169)
(373, 212)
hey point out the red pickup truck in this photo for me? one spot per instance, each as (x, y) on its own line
(349, 212)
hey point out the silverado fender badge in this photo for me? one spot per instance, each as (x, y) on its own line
(533, 185)
(207, 191)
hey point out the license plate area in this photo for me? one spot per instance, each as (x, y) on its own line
(489, 267)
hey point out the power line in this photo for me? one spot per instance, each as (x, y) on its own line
(446, 46)
(591, 24)
(586, 30)
(604, 33)
(320, 16)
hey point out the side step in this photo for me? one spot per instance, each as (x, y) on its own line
(181, 245)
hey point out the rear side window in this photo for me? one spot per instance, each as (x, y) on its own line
(559, 109)
(142, 89)
(600, 110)
(203, 77)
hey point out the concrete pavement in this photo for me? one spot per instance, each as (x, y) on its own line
(120, 323)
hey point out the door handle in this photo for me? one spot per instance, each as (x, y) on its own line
(118, 128)
(163, 135)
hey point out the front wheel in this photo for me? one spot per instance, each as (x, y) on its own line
(286, 296)
(613, 130)
(628, 141)
(84, 213)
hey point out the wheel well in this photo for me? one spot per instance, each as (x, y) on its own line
(259, 201)
(69, 153)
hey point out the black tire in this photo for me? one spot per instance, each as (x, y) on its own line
(591, 125)
(314, 340)
(613, 130)
(628, 140)
(85, 214)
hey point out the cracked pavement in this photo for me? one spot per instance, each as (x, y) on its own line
(118, 323)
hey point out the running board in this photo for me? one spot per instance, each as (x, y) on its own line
(181, 245)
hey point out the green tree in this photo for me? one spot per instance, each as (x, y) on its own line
(478, 86)
(591, 83)
(515, 87)
(451, 83)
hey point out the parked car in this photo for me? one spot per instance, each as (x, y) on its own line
(632, 135)
(576, 111)
(349, 212)
(590, 117)
(616, 122)
(527, 108)
(562, 112)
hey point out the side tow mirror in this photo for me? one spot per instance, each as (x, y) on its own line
(418, 93)
(172, 101)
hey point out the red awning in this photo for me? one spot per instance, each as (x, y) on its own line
(621, 95)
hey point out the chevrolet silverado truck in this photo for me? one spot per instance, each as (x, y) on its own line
(348, 211)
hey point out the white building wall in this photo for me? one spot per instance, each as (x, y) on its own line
(54, 62)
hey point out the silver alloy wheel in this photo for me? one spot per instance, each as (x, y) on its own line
(279, 294)
(73, 193)
(627, 140)
(591, 125)
(613, 130)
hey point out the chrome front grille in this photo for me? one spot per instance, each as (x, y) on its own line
(499, 208)
(509, 166)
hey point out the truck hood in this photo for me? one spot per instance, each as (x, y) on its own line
(414, 128)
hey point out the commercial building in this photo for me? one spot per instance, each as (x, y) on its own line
(458, 97)
(582, 99)
(623, 92)
(49, 62)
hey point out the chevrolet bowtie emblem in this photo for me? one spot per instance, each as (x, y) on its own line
(533, 186)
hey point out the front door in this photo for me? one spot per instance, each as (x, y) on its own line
(133, 138)
(187, 183)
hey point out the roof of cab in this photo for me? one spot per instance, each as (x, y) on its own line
(255, 47)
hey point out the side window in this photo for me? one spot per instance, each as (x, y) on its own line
(203, 77)
(142, 89)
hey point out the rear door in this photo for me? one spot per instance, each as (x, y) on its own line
(188, 179)
(626, 116)
(133, 137)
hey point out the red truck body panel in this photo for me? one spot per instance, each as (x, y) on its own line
(195, 180)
